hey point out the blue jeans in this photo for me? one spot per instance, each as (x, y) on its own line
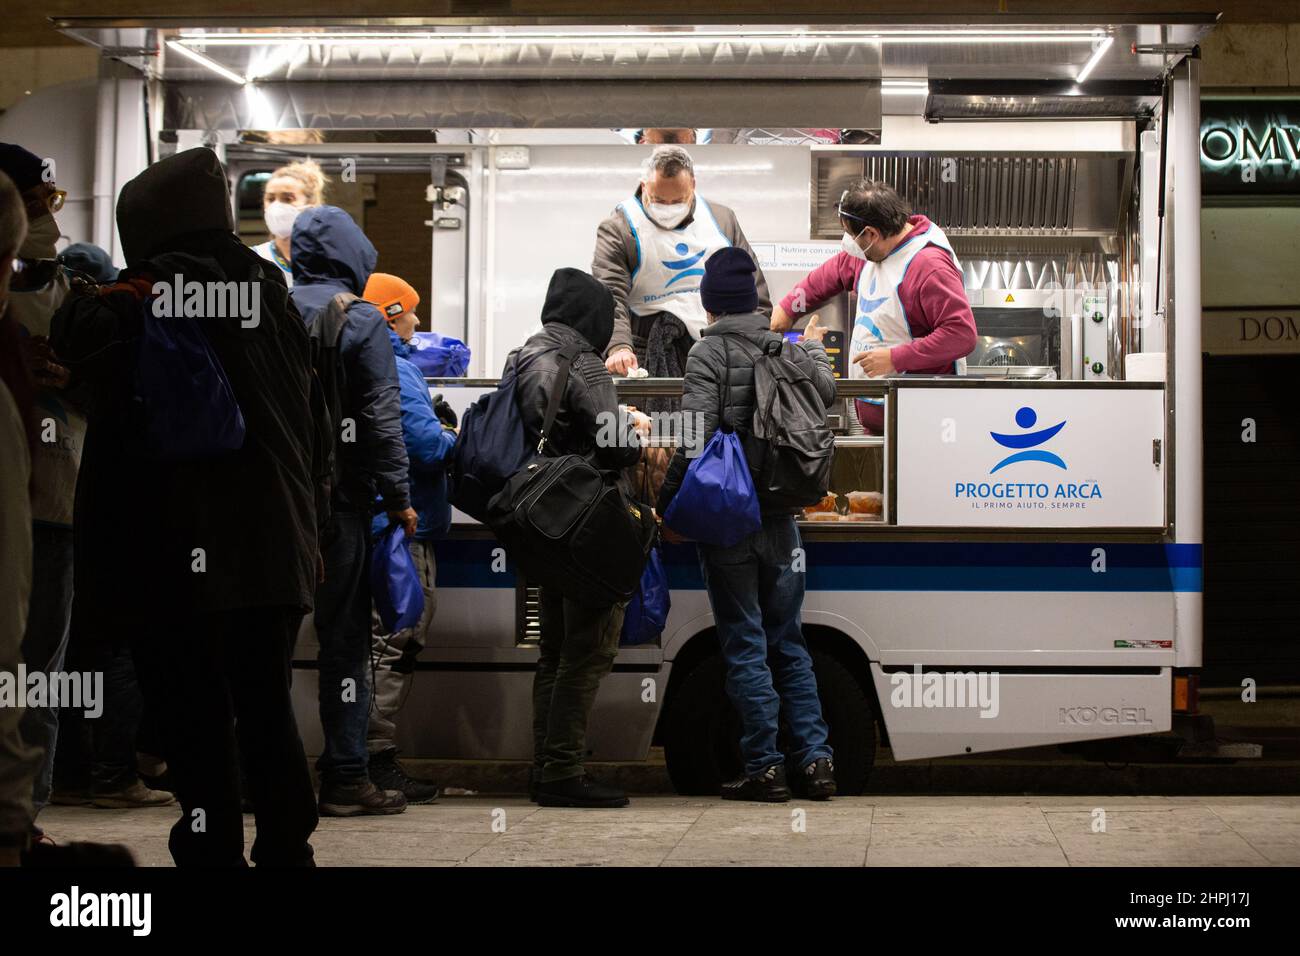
(343, 631)
(45, 643)
(756, 597)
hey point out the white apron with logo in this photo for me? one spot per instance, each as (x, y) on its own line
(880, 321)
(670, 263)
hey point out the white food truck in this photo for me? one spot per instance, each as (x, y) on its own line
(1034, 574)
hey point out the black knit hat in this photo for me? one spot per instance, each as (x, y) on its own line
(24, 167)
(728, 284)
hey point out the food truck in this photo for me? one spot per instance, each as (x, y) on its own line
(1015, 562)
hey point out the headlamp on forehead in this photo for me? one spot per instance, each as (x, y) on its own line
(847, 215)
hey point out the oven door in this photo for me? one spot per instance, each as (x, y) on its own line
(1023, 333)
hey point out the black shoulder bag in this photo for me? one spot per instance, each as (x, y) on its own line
(569, 525)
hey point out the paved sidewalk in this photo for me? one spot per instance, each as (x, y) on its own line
(848, 831)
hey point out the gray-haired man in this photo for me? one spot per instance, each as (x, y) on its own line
(650, 254)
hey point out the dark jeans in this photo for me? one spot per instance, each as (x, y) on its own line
(45, 643)
(343, 631)
(756, 597)
(578, 648)
(222, 680)
(99, 755)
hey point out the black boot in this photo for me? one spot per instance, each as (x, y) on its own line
(767, 786)
(817, 780)
(579, 791)
(359, 799)
(387, 773)
(534, 781)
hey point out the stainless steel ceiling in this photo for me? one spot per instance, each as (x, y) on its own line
(371, 51)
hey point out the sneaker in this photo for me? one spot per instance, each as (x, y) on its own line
(359, 799)
(767, 786)
(136, 795)
(387, 773)
(817, 780)
(580, 791)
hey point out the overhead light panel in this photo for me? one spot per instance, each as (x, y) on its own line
(391, 38)
(1093, 60)
(202, 60)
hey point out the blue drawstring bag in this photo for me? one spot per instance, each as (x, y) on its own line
(439, 356)
(189, 408)
(717, 503)
(647, 612)
(394, 582)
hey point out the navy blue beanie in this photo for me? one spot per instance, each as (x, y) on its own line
(728, 284)
(24, 167)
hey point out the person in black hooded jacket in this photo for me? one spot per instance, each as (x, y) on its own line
(207, 566)
(579, 643)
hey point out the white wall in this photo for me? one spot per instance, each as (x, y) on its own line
(58, 122)
(545, 217)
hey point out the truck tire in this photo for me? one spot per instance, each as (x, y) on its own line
(702, 729)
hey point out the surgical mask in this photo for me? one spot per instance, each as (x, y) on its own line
(849, 243)
(668, 215)
(279, 218)
(42, 238)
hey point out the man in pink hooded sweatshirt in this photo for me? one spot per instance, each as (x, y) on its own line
(912, 312)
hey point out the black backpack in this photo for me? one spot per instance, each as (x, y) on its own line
(569, 525)
(789, 446)
(328, 386)
(491, 445)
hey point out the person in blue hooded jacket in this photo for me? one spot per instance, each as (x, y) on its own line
(331, 255)
(428, 447)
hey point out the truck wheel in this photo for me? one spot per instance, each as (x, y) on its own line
(702, 733)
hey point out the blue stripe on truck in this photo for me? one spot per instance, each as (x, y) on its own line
(907, 566)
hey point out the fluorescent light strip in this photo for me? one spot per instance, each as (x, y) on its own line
(684, 39)
(212, 65)
(1093, 60)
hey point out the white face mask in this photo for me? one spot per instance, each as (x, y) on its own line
(849, 243)
(279, 218)
(42, 237)
(668, 215)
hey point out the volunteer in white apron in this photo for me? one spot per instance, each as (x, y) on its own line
(912, 312)
(650, 254)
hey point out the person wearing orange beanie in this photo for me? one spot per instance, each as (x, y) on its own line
(428, 447)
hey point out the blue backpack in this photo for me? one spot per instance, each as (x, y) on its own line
(491, 446)
(716, 503)
(189, 408)
(439, 356)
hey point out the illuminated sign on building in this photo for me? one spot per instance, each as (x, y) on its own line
(1250, 147)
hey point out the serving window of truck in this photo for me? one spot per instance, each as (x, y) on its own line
(1035, 520)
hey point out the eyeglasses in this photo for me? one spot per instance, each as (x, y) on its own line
(50, 202)
(29, 274)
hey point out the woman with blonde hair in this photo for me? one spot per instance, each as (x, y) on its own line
(291, 189)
